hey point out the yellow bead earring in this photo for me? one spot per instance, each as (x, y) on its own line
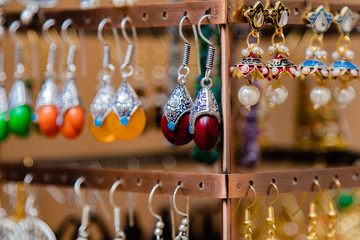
(127, 119)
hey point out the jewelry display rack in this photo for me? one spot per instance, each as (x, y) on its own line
(224, 186)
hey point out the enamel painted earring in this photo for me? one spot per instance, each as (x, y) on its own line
(320, 21)
(343, 69)
(47, 103)
(19, 96)
(101, 106)
(251, 67)
(279, 65)
(175, 121)
(205, 116)
(71, 119)
(127, 119)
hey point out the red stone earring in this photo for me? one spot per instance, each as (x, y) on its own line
(205, 116)
(47, 103)
(71, 118)
(175, 121)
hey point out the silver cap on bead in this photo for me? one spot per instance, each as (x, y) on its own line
(48, 94)
(69, 97)
(101, 105)
(3, 100)
(19, 95)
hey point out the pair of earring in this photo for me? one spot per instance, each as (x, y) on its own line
(252, 68)
(53, 112)
(183, 119)
(119, 115)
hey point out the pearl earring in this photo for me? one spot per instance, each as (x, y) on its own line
(342, 69)
(320, 21)
(279, 65)
(251, 67)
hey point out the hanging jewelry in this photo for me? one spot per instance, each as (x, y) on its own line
(101, 105)
(320, 21)
(175, 121)
(312, 227)
(83, 231)
(31, 227)
(270, 220)
(71, 119)
(332, 213)
(247, 217)
(159, 226)
(279, 65)
(19, 96)
(342, 69)
(32, 7)
(48, 102)
(119, 234)
(127, 119)
(185, 222)
(205, 115)
(7, 226)
(4, 114)
(251, 67)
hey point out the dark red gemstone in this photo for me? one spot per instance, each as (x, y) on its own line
(180, 135)
(206, 132)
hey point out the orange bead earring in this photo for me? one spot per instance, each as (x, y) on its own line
(127, 119)
(71, 118)
(47, 103)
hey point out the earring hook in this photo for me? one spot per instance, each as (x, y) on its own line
(277, 193)
(77, 189)
(158, 217)
(317, 184)
(199, 29)
(112, 191)
(14, 26)
(45, 30)
(338, 185)
(175, 206)
(133, 43)
(64, 31)
(255, 196)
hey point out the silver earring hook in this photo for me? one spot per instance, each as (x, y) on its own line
(199, 29)
(132, 43)
(158, 217)
(174, 203)
(45, 30)
(14, 26)
(77, 189)
(112, 191)
(64, 31)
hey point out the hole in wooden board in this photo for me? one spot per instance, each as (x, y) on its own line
(296, 11)
(179, 183)
(164, 15)
(47, 177)
(238, 185)
(144, 16)
(294, 182)
(138, 182)
(251, 182)
(355, 176)
(100, 179)
(64, 178)
(273, 180)
(336, 176)
(201, 185)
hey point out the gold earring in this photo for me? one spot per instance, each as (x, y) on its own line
(332, 213)
(270, 220)
(312, 235)
(247, 219)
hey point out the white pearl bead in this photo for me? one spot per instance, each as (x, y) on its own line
(265, 71)
(318, 54)
(309, 53)
(354, 72)
(159, 224)
(26, 16)
(256, 50)
(245, 52)
(185, 221)
(325, 73)
(349, 55)
(261, 51)
(335, 55)
(323, 53)
(297, 73)
(182, 228)
(320, 96)
(271, 49)
(244, 68)
(335, 72)
(249, 95)
(281, 49)
(158, 231)
(274, 71)
(344, 95)
(276, 94)
(305, 70)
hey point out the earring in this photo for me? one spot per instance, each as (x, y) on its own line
(159, 226)
(312, 227)
(19, 96)
(342, 68)
(185, 222)
(32, 8)
(332, 213)
(279, 65)
(101, 105)
(47, 103)
(127, 119)
(175, 121)
(4, 114)
(205, 115)
(119, 234)
(270, 220)
(320, 21)
(251, 67)
(247, 218)
(71, 118)
(83, 232)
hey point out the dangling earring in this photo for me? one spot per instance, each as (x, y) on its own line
(205, 116)
(251, 67)
(19, 96)
(159, 226)
(247, 217)
(312, 227)
(71, 118)
(175, 121)
(320, 21)
(342, 68)
(127, 119)
(4, 114)
(332, 212)
(47, 103)
(270, 220)
(119, 234)
(185, 222)
(83, 231)
(101, 105)
(279, 65)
